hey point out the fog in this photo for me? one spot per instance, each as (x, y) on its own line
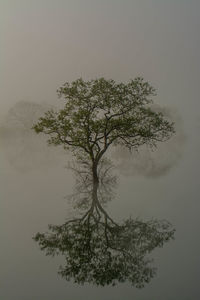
(46, 43)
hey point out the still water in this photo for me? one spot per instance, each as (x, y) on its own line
(33, 197)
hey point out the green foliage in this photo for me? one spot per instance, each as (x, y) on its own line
(99, 113)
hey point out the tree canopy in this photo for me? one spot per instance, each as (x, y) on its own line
(100, 113)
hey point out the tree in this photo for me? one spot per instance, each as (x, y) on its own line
(100, 113)
(97, 115)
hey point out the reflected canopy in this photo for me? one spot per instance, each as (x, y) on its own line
(97, 249)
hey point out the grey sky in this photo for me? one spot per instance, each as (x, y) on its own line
(46, 43)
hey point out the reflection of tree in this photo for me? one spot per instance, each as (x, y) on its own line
(96, 248)
(82, 195)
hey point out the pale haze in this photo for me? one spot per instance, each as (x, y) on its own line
(47, 43)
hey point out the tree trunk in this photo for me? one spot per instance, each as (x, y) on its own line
(95, 182)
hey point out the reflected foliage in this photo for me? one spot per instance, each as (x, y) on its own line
(103, 253)
(97, 249)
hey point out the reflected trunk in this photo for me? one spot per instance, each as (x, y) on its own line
(95, 247)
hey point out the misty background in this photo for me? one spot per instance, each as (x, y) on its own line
(46, 43)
